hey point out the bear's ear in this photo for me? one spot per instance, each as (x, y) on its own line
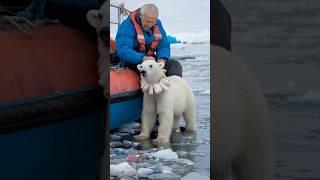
(161, 64)
(93, 17)
(139, 66)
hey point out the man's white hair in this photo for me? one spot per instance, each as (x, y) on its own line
(149, 7)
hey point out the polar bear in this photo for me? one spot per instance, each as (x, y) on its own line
(242, 126)
(170, 104)
(98, 19)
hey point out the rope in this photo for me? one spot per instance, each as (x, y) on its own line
(118, 68)
(23, 24)
(123, 10)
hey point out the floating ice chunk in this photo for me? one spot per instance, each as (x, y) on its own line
(166, 154)
(144, 171)
(121, 170)
(144, 165)
(117, 161)
(149, 155)
(128, 178)
(126, 130)
(118, 154)
(182, 153)
(123, 135)
(136, 144)
(156, 169)
(125, 142)
(309, 96)
(115, 137)
(193, 176)
(166, 169)
(198, 154)
(183, 57)
(164, 176)
(131, 125)
(115, 144)
(153, 149)
(184, 161)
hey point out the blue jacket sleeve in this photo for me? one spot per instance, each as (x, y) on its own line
(163, 50)
(125, 39)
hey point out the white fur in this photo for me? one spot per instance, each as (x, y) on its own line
(242, 126)
(98, 19)
(155, 86)
(100, 22)
(170, 105)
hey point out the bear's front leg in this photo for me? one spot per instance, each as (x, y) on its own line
(165, 126)
(175, 125)
(148, 120)
(147, 123)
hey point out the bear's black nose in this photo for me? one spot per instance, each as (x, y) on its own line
(143, 72)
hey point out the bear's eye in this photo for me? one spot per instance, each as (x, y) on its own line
(150, 66)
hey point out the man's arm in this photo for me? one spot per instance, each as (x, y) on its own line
(163, 49)
(125, 42)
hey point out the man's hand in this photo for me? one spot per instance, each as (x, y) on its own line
(162, 60)
(148, 58)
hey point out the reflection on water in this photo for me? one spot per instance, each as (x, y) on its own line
(280, 42)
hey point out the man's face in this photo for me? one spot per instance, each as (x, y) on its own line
(148, 20)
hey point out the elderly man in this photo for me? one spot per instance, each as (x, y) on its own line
(141, 37)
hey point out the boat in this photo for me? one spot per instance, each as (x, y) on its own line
(52, 110)
(125, 91)
(126, 97)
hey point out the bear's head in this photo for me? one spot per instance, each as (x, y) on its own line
(98, 19)
(151, 71)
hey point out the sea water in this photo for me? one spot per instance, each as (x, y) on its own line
(280, 43)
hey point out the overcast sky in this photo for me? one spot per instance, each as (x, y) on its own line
(177, 16)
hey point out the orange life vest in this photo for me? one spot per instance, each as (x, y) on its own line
(140, 37)
(112, 45)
